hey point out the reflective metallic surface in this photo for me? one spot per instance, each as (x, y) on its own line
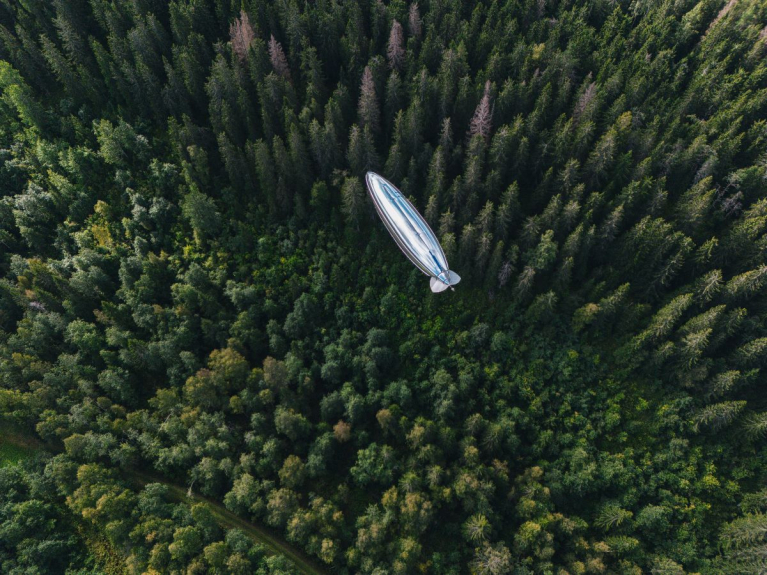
(411, 232)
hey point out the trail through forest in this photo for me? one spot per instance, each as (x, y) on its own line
(225, 518)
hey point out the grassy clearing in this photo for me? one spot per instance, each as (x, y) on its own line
(12, 454)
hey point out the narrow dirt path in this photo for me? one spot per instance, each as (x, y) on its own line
(226, 519)
(229, 520)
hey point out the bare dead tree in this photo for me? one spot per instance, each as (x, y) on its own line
(722, 13)
(241, 34)
(414, 20)
(396, 48)
(505, 273)
(586, 98)
(482, 122)
(278, 59)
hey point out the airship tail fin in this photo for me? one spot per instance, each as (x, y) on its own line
(453, 277)
(438, 286)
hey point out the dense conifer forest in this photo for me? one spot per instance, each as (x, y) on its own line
(194, 284)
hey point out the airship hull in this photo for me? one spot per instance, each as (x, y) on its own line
(411, 232)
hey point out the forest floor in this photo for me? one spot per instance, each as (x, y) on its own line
(10, 453)
(15, 447)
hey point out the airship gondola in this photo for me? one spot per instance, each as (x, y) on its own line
(411, 232)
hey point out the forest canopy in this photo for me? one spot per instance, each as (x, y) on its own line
(194, 286)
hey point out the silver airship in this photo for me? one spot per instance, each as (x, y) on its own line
(411, 232)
